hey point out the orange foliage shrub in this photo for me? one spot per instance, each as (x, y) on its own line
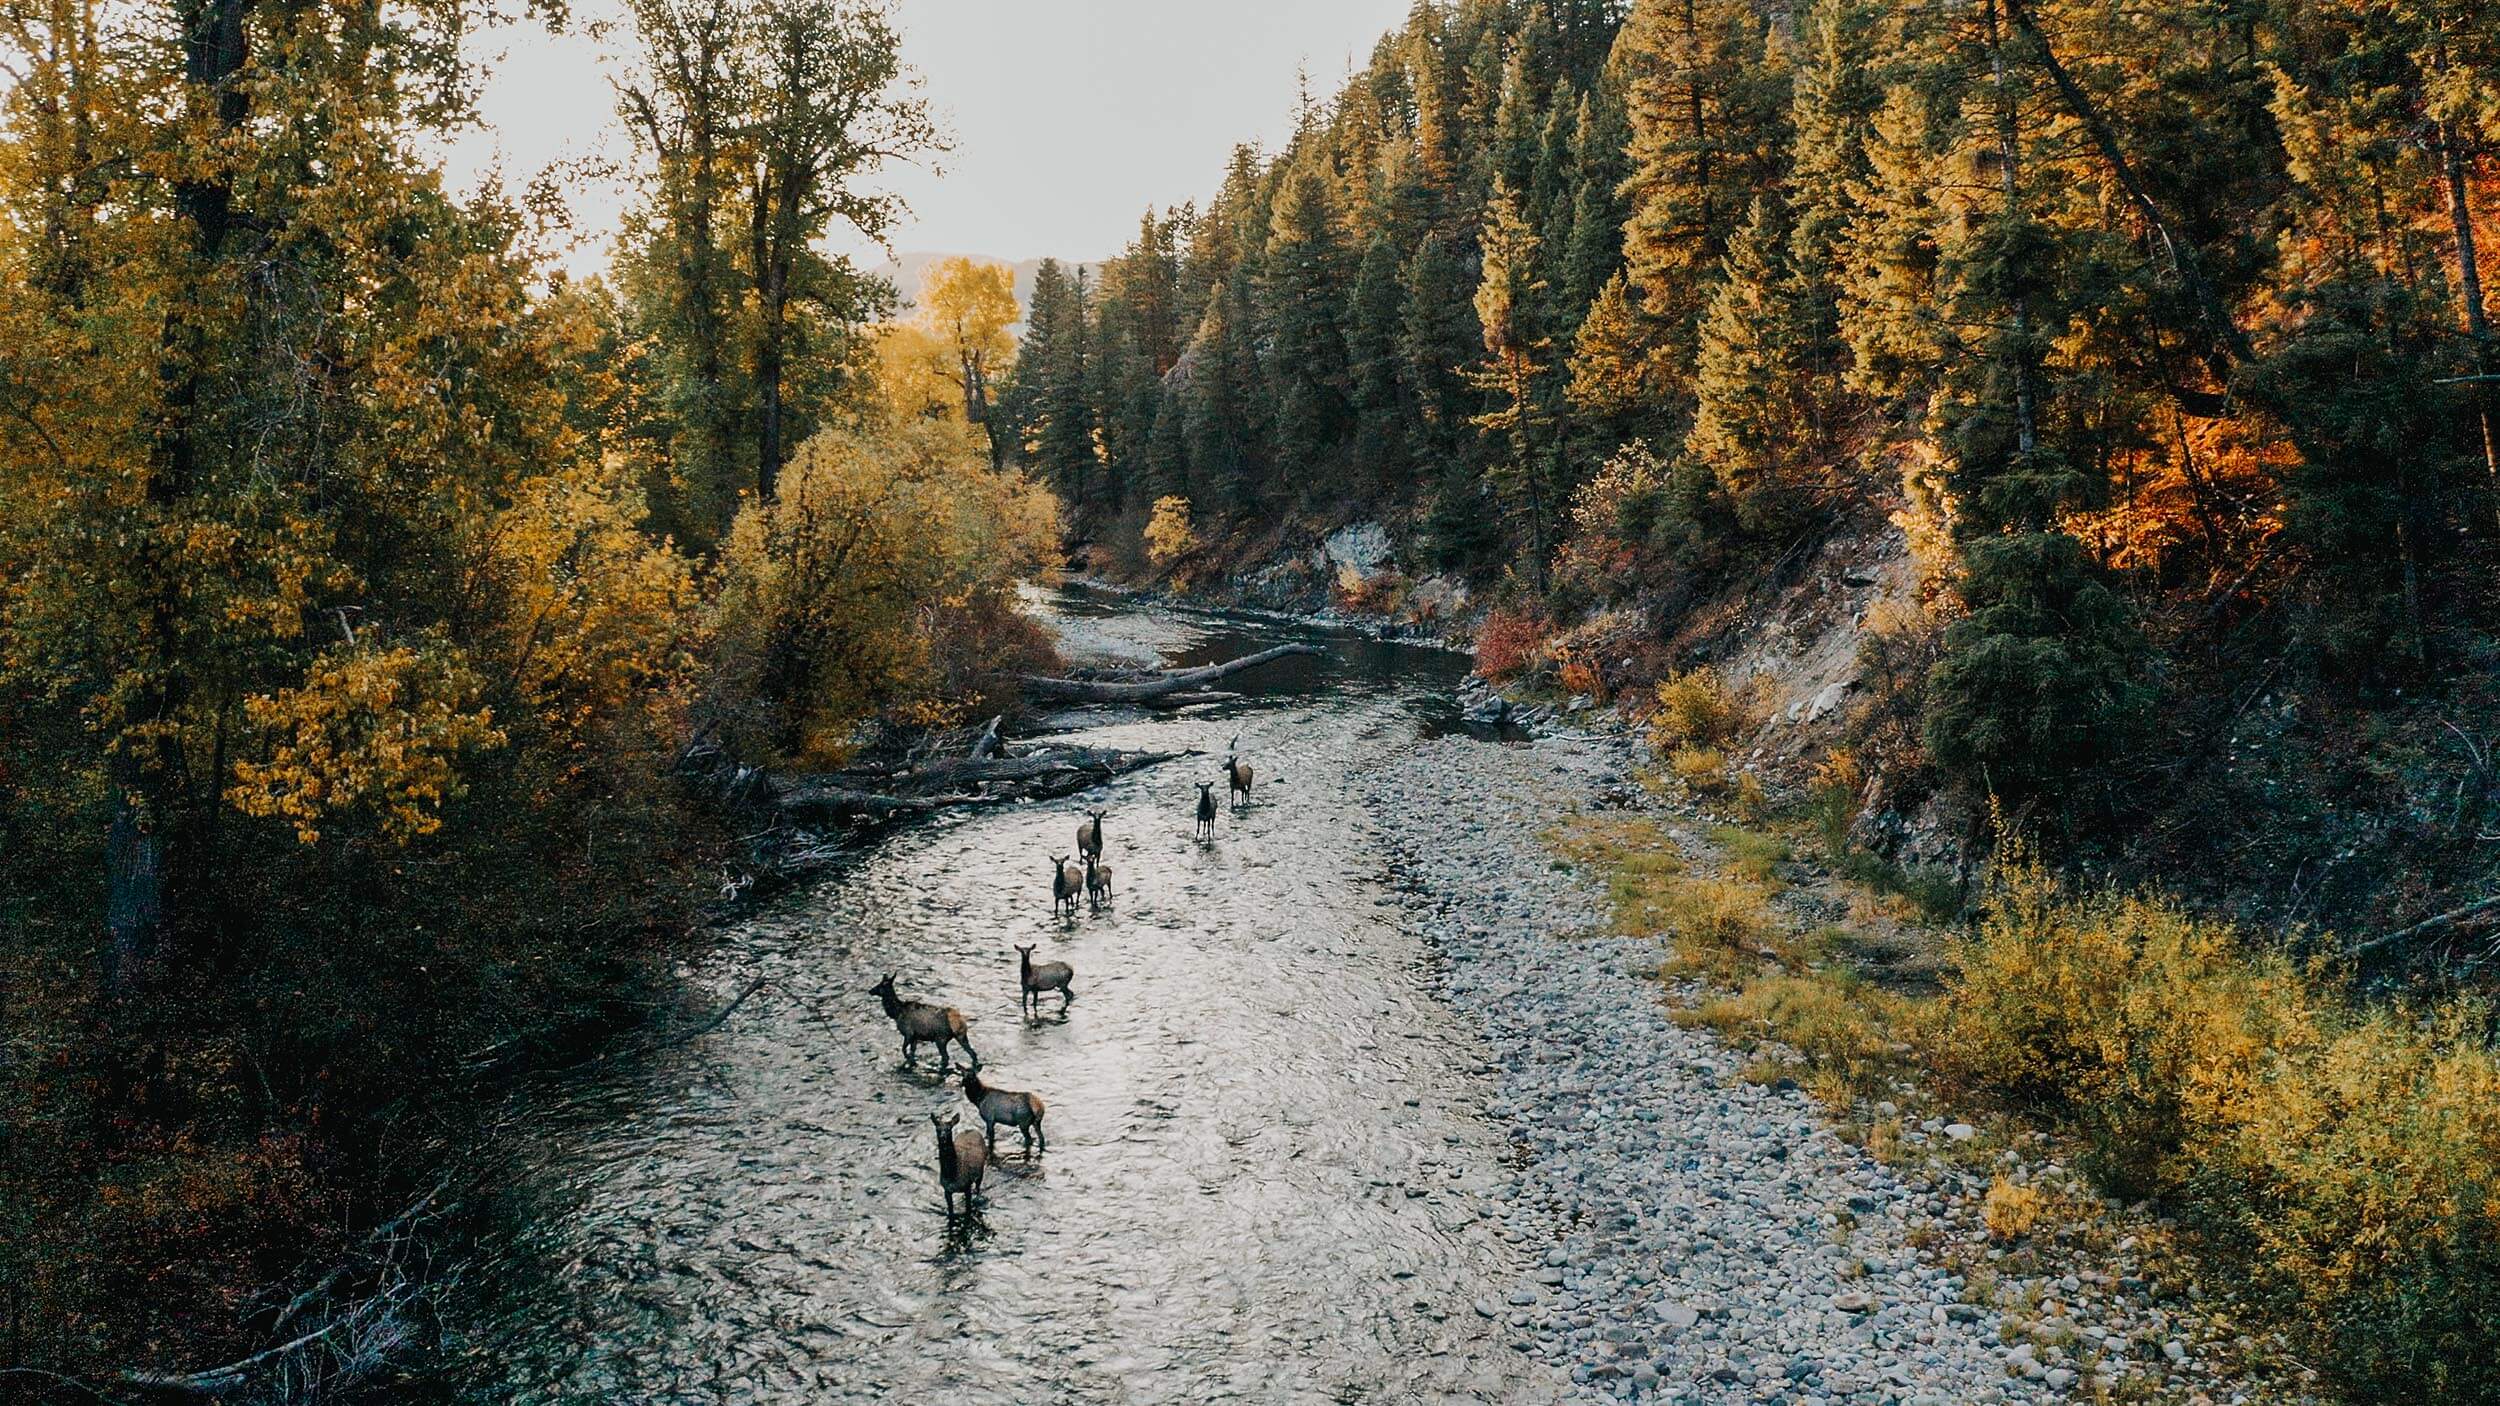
(1580, 676)
(1382, 593)
(1507, 641)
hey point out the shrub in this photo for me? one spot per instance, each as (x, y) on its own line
(1752, 802)
(2353, 1154)
(2011, 1209)
(1507, 641)
(1382, 593)
(1168, 533)
(1832, 799)
(2139, 1023)
(1704, 769)
(1722, 928)
(1696, 708)
(1580, 676)
(1836, 1024)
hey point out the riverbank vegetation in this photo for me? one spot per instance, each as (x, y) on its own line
(2331, 1160)
(362, 578)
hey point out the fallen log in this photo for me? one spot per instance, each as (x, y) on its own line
(815, 801)
(1172, 701)
(2431, 924)
(1042, 774)
(1159, 685)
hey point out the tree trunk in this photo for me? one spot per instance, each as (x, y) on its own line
(2009, 161)
(144, 773)
(2470, 289)
(2219, 325)
(774, 235)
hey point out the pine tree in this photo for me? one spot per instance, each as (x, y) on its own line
(1887, 296)
(1708, 101)
(1518, 127)
(1599, 134)
(1836, 102)
(1440, 337)
(2042, 680)
(1616, 386)
(1222, 392)
(1517, 360)
(1055, 390)
(1754, 383)
(1303, 294)
(1376, 365)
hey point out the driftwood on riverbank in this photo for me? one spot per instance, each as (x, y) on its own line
(1157, 687)
(937, 771)
(993, 774)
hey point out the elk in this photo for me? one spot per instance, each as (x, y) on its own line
(920, 1022)
(1236, 776)
(1038, 977)
(1206, 812)
(961, 1160)
(1022, 1112)
(1066, 882)
(1097, 883)
(1089, 836)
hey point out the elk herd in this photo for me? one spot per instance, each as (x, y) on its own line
(964, 1156)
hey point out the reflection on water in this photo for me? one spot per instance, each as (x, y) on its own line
(1266, 1180)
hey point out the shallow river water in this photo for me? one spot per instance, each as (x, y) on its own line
(1268, 1171)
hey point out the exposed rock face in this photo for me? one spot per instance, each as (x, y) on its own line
(1437, 598)
(1360, 550)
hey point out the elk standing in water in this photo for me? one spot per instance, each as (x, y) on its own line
(1066, 882)
(1097, 883)
(920, 1022)
(1022, 1112)
(1038, 977)
(1236, 777)
(1206, 812)
(961, 1160)
(1089, 836)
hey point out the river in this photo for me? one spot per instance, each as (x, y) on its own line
(1269, 1173)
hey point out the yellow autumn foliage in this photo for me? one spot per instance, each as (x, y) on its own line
(831, 593)
(2353, 1150)
(376, 731)
(1169, 535)
(596, 623)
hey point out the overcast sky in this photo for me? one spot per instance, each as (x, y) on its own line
(1069, 117)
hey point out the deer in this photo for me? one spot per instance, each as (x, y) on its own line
(1097, 883)
(1023, 1112)
(1206, 812)
(1089, 836)
(920, 1022)
(1038, 977)
(961, 1159)
(1066, 882)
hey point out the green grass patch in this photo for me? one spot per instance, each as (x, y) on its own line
(1751, 853)
(1639, 863)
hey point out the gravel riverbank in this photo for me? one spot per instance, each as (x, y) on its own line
(1697, 1238)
